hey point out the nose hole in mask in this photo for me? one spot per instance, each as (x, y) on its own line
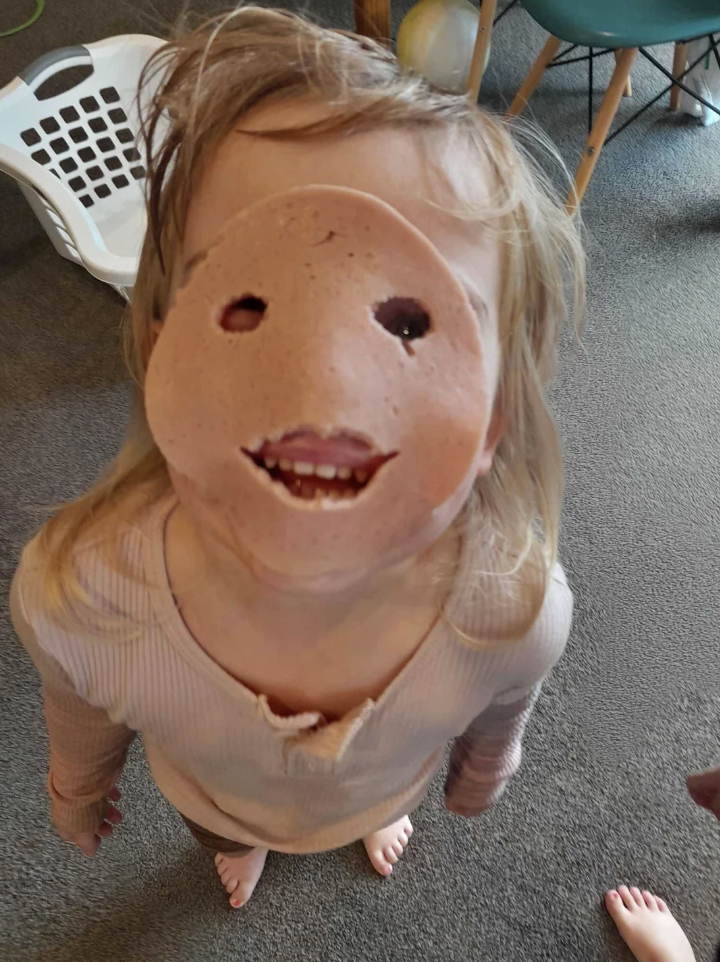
(243, 315)
(404, 318)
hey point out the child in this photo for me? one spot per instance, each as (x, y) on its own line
(328, 544)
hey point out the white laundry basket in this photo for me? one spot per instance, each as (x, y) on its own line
(77, 156)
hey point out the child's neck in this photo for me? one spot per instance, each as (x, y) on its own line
(211, 563)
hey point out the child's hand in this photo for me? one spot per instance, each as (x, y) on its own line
(89, 842)
(704, 790)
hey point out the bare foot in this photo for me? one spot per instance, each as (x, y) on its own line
(240, 874)
(645, 922)
(386, 846)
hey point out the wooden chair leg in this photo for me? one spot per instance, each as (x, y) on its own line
(604, 119)
(534, 77)
(482, 48)
(627, 92)
(679, 61)
(372, 19)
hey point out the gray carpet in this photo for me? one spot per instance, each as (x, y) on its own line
(633, 707)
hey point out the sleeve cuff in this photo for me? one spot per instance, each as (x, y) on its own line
(472, 804)
(77, 814)
(71, 817)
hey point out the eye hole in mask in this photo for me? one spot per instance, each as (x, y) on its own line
(243, 315)
(403, 317)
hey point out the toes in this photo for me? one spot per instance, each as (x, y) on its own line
(226, 873)
(649, 900)
(627, 899)
(240, 875)
(662, 906)
(241, 895)
(613, 903)
(380, 863)
(639, 901)
(389, 854)
(386, 846)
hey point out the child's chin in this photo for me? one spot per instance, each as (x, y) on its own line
(309, 583)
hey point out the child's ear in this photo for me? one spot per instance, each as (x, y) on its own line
(492, 439)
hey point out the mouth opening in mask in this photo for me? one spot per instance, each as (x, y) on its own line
(311, 467)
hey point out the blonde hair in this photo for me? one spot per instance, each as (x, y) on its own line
(207, 81)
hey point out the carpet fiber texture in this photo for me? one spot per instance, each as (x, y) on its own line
(633, 707)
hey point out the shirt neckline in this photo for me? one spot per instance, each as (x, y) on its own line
(182, 638)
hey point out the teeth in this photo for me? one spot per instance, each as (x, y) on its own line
(327, 471)
(334, 495)
(305, 469)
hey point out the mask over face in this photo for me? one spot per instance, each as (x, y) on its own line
(319, 385)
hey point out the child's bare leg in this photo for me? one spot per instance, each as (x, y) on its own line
(240, 873)
(386, 846)
(645, 923)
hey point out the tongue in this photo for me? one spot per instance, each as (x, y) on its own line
(340, 449)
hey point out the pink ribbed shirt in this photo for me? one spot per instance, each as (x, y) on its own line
(220, 754)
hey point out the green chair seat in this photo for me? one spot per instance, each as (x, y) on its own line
(625, 23)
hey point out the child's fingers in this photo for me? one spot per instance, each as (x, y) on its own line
(88, 843)
(114, 794)
(112, 814)
(105, 830)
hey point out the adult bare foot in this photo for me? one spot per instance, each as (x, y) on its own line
(386, 846)
(645, 923)
(240, 874)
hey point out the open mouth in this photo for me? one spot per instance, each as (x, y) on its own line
(311, 467)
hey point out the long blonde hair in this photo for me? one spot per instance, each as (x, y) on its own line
(206, 81)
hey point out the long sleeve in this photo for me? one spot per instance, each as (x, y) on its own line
(489, 752)
(87, 749)
(487, 755)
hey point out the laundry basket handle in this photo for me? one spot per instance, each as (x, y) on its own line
(46, 66)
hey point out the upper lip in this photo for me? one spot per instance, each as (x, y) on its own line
(341, 448)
